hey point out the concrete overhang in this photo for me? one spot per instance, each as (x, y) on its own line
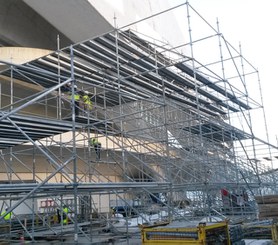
(20, 55)
(78, 20)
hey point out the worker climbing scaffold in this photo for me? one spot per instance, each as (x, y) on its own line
(97, 146)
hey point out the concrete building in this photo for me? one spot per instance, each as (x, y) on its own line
(175, 126)
(38, 23)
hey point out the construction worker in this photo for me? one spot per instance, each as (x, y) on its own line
(97, 145)
(7, 216)
(77, 100)
(88, 105)
(65, 215)
(59, 215)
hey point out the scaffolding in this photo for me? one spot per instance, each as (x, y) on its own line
(176, 134)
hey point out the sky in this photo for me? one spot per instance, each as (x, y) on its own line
(252, 23)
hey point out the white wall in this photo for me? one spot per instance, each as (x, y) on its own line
(26, 207)
(83, 19)
(163, 26)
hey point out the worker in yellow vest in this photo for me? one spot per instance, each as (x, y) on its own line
(7, 216)
(77, 100)
(87, 101)
(97, 145)
(65, 215)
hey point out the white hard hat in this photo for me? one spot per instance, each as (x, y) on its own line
(75, 86)
(86, 92)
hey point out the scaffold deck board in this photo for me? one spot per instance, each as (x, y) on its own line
(135, 72)
(216, 132)
(33, 127)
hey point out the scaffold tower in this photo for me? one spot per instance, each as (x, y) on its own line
(174, 133)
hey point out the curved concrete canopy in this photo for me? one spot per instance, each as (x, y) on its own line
(78, 20)
(37, 23)
(20, 55)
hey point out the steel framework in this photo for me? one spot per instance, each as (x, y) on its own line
(176, 133)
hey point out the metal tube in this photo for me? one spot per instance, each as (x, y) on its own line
(35, 99)
(74, 147)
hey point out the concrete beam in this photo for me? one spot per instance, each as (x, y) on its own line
(20, 55)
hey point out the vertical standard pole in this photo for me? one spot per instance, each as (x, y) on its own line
(33, 199)
(74, 148)
(12, 88)
(120, 98)
(59, 99)
(11, 108)
(59, 112)
(201, 157)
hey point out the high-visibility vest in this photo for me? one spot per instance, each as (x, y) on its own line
(76, 97)
(65, 210)
(7, 216)
(94, 142)
(87, 102)
(65, 215)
